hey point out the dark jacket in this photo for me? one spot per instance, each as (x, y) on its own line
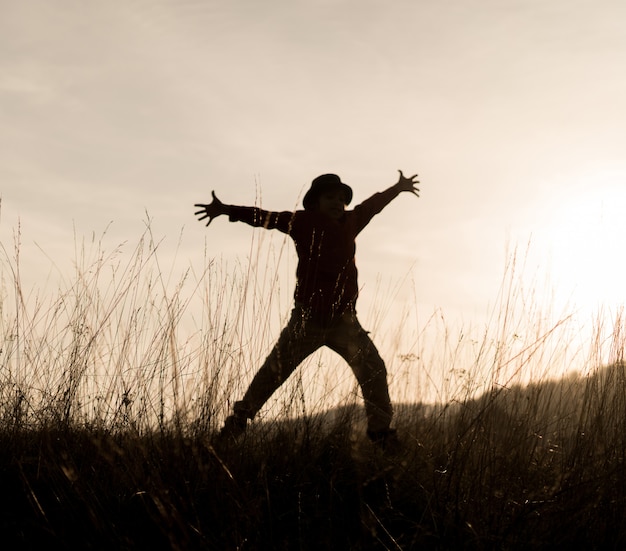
(326, 276)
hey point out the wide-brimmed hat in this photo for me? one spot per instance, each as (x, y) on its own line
(322, 184)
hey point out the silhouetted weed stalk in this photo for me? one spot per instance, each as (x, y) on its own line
(111, 389)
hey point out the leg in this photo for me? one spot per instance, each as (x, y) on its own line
(297, 341)
(352, 342)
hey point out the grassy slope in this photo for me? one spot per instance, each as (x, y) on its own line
(535, 467)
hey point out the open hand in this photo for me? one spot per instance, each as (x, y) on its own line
(211, 210)
(408, 184)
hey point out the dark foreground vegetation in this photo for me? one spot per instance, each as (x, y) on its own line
(540, 467)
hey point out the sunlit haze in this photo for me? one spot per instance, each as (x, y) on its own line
(512, 113)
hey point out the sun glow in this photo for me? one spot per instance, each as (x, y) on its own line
(584, 237)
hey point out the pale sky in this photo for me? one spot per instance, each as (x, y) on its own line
(512, 112)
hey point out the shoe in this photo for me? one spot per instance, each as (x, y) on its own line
(386, 439)
(234, 426)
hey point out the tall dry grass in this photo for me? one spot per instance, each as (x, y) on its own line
(111, 387)
(123, 343)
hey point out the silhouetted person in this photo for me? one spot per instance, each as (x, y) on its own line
(326, 291)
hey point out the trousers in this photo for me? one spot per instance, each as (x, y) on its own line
(301, 337)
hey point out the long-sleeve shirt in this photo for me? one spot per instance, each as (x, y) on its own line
(326, 275)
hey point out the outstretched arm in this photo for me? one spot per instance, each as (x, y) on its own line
(211, 210)
(253, 216)
(377, 202)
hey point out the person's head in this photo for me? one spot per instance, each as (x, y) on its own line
(329, 195)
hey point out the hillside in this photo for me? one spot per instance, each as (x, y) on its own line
(537, 467)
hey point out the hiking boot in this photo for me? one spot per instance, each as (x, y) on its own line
(386, 439)
(234, 426)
